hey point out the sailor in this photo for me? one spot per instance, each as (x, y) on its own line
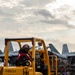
(23, 55)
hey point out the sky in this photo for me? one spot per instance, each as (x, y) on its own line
(50, 20)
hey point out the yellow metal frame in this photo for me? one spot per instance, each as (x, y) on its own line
(33, 40)
(54, 63)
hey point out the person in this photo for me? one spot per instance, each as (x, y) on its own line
(23, 56)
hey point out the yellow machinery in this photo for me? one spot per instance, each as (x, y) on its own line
(54, 62)
(38, 52)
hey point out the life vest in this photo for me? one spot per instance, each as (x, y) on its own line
(24, 54)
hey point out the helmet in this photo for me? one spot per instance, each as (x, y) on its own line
(26, 47)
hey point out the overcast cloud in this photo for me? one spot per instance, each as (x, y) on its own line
(51, 20)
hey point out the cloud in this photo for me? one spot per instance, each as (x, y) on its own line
(9, 3)
(35, 3)
(51, 20)
(44, 12)
(62, 11)
(55, 21)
